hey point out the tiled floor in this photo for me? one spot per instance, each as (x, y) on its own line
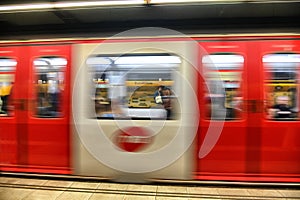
(31, 189)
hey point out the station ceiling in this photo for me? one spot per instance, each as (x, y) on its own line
(196, 15)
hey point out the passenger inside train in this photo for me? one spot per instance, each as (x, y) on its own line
(7, 79)
(5, 93)
(128, 87)
(282, 108)
(281, 85)
(223, 77)
(49, 73)
(158, 95)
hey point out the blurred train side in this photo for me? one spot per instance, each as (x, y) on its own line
(247, 145)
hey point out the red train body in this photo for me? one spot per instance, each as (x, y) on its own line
(228, 144)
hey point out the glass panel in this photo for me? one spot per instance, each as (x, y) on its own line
(49, 82)
(127, 86)
(7, 79)
(281, 86)
(223, 75)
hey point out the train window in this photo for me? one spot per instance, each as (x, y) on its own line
(125, 86)
(282, 86)
(49, 85)
(7, 78)
(223, 75)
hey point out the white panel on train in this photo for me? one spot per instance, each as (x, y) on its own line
(121, 130)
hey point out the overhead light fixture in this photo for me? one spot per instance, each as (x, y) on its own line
(172, 1)
(223, 62)
(223, 59)
(216, 1)
(90, 4)
(7, 62)
(50, 62)
(133, 60)
(189, 1)
(67, 5)
(13, 8)
(281, 58)
(24, 7)
(129, 60)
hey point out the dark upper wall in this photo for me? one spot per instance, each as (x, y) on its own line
(246, 16)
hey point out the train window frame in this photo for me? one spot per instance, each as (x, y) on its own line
(136, 75)
(281, 94)
(223, 98)
(8, 67)
(49, 74)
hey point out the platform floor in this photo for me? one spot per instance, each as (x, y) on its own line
(24, 188)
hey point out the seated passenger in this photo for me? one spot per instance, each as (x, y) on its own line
(282, 109)
(167, 102)
(5, 92)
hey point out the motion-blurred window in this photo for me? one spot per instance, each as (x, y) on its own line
(7, 79)
(223, 83)
(124, 86)
(282, 86)
(49, 73)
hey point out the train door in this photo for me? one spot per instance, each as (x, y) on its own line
(48, 109)
(122, 131)
(280, 141)
(10, 64)
(223, 126)
(34, 115)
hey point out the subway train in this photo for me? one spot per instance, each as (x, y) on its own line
(170, 107)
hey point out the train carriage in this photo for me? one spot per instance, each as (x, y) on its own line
(229, 108)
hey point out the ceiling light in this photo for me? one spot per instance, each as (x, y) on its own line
(188, 1)
(282, 58)
(24, 7)
(67, 5)
(97, 3)
(217, 1)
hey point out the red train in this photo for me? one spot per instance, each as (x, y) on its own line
(228, 108)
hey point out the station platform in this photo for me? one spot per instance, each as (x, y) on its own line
(30, 188)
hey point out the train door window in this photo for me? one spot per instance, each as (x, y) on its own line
(125, 86)
(223, 76)
(282, 86)
(7, 78)
(49, 86)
